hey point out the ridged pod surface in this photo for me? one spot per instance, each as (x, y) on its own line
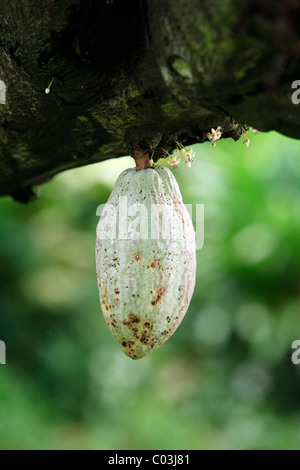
(146, 259)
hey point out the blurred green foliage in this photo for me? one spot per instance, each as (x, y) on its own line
(225, 380)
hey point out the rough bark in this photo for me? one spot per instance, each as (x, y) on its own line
(136, 75)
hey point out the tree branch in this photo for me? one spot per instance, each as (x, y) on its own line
(136, 76)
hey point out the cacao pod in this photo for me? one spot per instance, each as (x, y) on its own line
(146, 277)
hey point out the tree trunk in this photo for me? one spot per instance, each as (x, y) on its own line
(138, 75)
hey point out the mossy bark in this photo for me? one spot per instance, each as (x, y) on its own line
(138, 75)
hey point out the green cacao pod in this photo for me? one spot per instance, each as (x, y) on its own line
(146, 259)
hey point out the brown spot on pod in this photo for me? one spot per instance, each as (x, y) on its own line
(154, 264)
(126, 344)
(159, 296)
(135, 332)
(137, 257)
(131, 320)
(144, 338)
